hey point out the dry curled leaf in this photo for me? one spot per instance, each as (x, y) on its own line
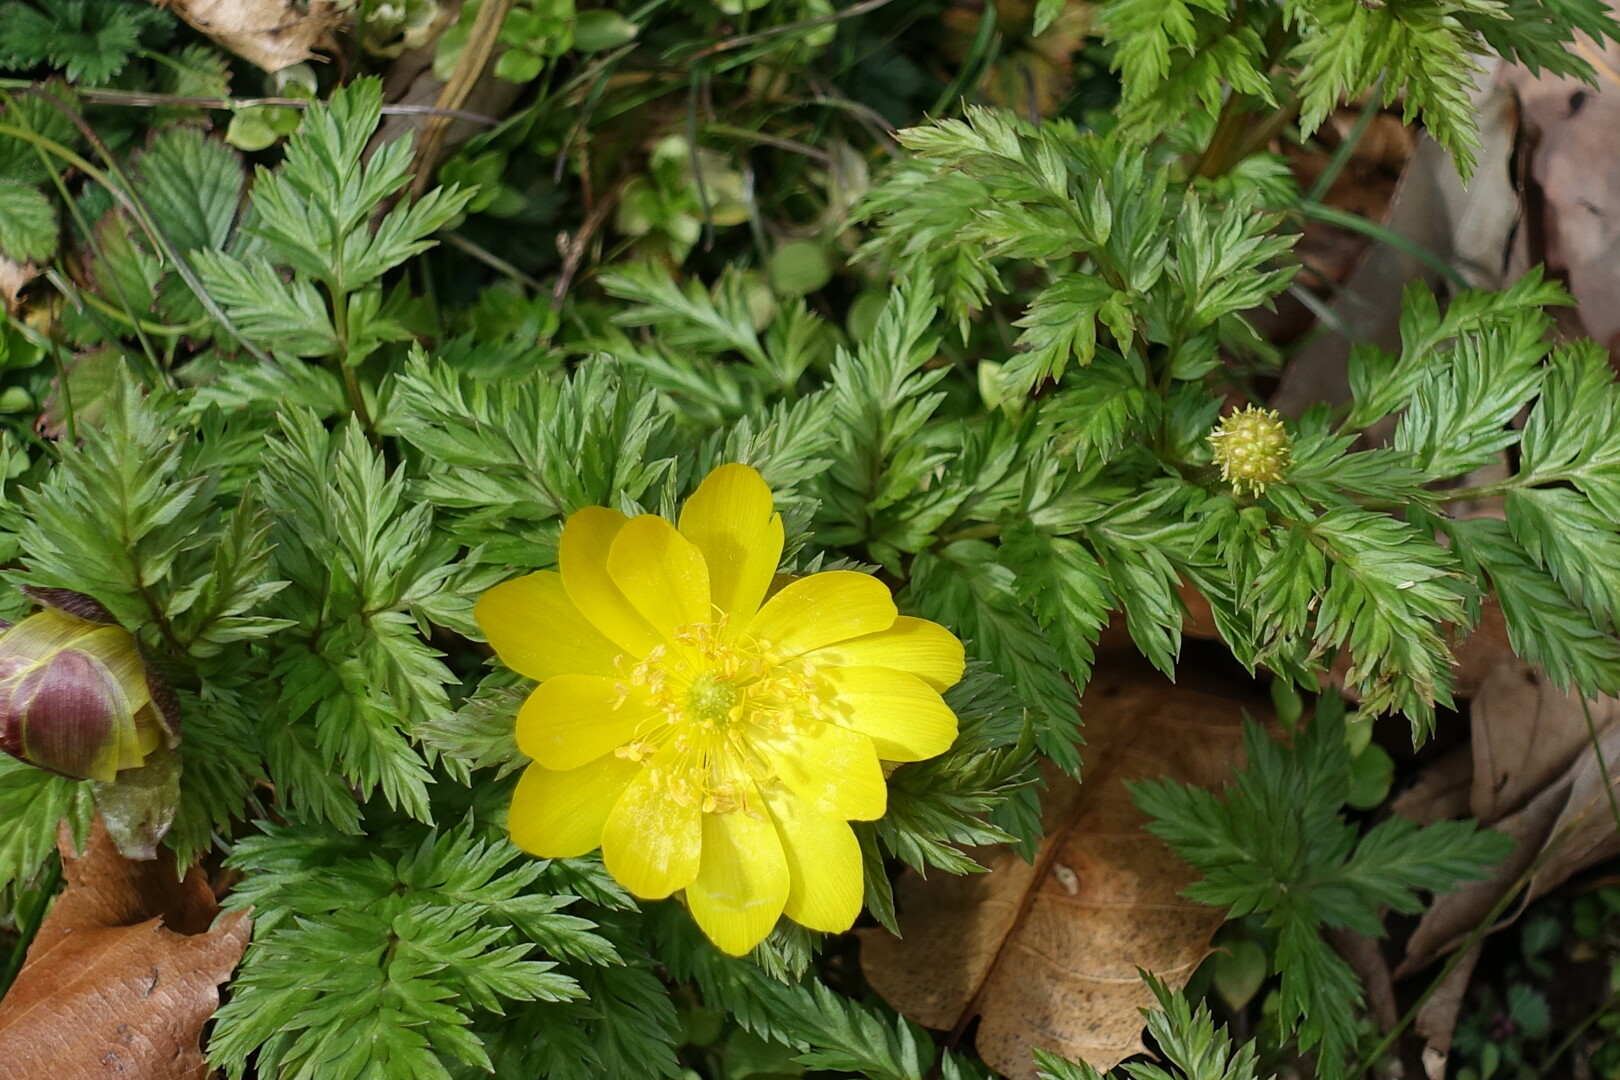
(1574, 185)
(1047, 954)
(14, 277)
(123, 973)
(1538, 775)
(271, 33)
(1436, 1020)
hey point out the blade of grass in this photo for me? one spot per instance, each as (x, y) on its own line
(1371, 1058)
(981, 54)
(31, 908)
(122, 191)
(1331, 215)
(1347, 146)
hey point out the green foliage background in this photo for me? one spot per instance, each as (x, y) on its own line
(291, 421)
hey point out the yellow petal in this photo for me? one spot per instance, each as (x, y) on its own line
(571, 719)
(731, 519)
(743, 885)
(558, 815)
(662, 573)
(906, 718)
(916, 646)
(823, 608)
(537, 631)
(835, 770)
(651, 841)
(824, 861)
(582, 556)
(43, 633)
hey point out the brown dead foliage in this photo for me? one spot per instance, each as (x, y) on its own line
(1047, 954)
(270, 33)
(1572, 190)
(124, 972)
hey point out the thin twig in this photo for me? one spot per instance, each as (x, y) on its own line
(141, 99)
(493, 261)
(481, 42)
(1486, 925)
(740, 40)
(573, 247)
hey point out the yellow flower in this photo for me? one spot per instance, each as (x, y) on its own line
(705, 737)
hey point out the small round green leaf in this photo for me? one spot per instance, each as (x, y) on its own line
(799, 267)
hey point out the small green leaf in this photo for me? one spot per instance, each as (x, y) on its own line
(27, 223)
(1241, 968)
(799, 267)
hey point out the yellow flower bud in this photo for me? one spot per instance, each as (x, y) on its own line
(75, 696)
(1252, 448)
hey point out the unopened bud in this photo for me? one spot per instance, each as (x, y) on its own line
(75, 696)
(1252, 448)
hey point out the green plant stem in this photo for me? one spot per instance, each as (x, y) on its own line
(1369, 1059)
(493, 261)
(351, 381)
(1332, 215)
(749, 135)
(1557, 1052)
(1603, 764)
(1216, 158)
(155, 376)
(740, 40)
(29, 922)
(1478, 491)
(1347, 145)
(987, 531)
(980, 56)
(143, 100)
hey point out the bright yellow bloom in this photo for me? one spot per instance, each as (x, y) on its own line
(705, 737)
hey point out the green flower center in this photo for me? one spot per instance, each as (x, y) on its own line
(710, 699)
(714, 699)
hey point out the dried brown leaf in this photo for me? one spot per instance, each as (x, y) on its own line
(1442, 789)
(1540, 778)
(123, 973)
(410, 81)
(1526, 734)
(1437, 1017)
(1047, 954)
(1571, 166)
(1469, 225)
(14, 277)
(271, 33)
(1365, 955)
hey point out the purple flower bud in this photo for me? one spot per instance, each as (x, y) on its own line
(76, 697)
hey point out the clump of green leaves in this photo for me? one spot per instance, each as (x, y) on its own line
(1276, 843)
(400, 939)
(89, 41)
(1178, 59)
(290, 439)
